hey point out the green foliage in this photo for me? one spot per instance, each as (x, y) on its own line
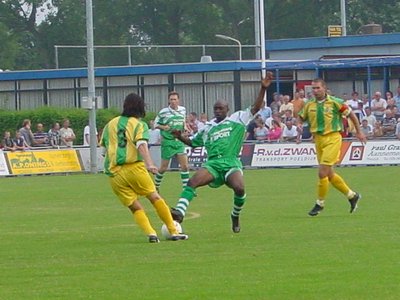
(26, 43)
(68, 237)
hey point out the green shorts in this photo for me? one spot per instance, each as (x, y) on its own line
(171, 148)
(221, 168)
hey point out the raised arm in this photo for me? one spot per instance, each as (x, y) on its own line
(265, 83)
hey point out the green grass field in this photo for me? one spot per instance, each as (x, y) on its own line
(68, 237)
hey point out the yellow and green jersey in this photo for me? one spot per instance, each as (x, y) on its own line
(120, 136)
(325, 117)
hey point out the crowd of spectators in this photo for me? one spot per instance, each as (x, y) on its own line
(25, 138)
(379, 118)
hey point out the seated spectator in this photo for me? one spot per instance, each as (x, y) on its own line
(154, 134)
(275, 132)
(250, 129)
(7, 143)
(26, 132)
(261, 131)
(398, 129)
(286, 105)
(378, 130)
(290, 132)
(54, 135)
(67, 135)
(396, 112)
(287, 116)
(19, 142)
(41, 138)
(277, 118)
(388, 123)
(367, 129)
(265, 112)
(370, 117)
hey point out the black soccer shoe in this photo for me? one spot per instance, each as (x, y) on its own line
(179, 237)
(315, 210)
(176, 215)
(235, 224)
(353, 202)
(153, 239)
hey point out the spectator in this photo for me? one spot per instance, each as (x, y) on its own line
(367, 129)
(389, 99)
(396, 112)
(388, 123)
(203, 119)
(260, 132)
(378, 106)
(370, 117)
(290, 132)
(365, 101)
(378, 130)
(154, 134)
(287, 116)
(277, 118)
(7, 143)
(397, 97)
(287, 105)
(275, 104)
(86, 135)
(275, 132)
(398, 129)
(192, 123)
(26, 133)
(67, 135)
(251, 128)
(19, 142)
(265, 112)
(298, 103)
(353, 102)
(360, 112)
(54, 135)
(41, 137)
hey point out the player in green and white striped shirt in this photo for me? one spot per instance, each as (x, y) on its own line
(168, 119)
(223, 138)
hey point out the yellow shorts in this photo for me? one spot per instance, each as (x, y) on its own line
(132, 181)
(328, 148)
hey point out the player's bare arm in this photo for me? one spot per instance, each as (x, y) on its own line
(184, 139)
(144, 152)
(265, 83)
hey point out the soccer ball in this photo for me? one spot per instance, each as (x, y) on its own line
(165, 233)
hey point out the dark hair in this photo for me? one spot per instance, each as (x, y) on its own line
(173, 93)
(134, 106)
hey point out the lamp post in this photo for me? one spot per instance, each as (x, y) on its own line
(225, 37)
(343, 17)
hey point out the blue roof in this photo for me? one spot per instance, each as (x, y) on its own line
(218, 66)
(334, 42)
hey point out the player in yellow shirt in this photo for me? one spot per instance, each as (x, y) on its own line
(128, 163)
(324, 114)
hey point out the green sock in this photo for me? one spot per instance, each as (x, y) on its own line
(238, 202)
(187, 195)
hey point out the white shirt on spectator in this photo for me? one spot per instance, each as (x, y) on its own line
(86, 135)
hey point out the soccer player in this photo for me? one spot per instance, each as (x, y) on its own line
(223, 138)
(128, 163)
(170, 118)
(324, 114)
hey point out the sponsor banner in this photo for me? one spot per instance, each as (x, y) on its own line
(196, 157)
(3, 165)
(284, 155)
(372, 153)
(85, 159)
(47, 161)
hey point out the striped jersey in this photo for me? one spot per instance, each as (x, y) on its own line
(224, 139)
(119, 138)
(325, 117)
(175, 119)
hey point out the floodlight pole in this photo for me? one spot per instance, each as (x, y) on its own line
(262, 38)
(343, 16)
(225, 37)
(91, 86)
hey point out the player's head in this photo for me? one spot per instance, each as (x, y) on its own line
(173, 99)
(134, 106)
(221, 109)
(319, 88)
